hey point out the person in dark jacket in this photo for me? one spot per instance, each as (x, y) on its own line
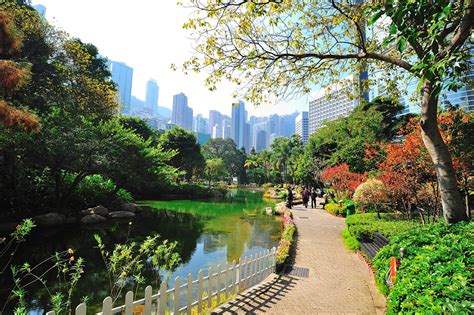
(289, 198)
(313, 198)
(305, 196)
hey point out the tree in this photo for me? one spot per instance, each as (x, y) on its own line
(188, 157)
(12, 78)
(275, 48)
(214, 169)
(371, 193)
(342, 180)
(226, 150)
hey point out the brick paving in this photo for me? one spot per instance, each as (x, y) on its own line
(339, 281)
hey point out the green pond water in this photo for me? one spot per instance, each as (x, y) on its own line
(208, 233)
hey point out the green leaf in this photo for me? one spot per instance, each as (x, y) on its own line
(401, 44)
(374, 18)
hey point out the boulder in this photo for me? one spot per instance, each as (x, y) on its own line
(100, 210)
(121, 214)
(50, 219)
(130, 207)
(93, 219)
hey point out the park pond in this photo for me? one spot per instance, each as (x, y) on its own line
(208, 233)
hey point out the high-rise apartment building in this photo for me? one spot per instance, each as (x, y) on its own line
(182, 114)
(288, 124)
(301, 123)
(215, 118)
(261, 140)
(239, 118)
(257, 128)
(151, 100)
(201, 124)
(330, 103)
(226, 127)
(122, 75)
(464, 96)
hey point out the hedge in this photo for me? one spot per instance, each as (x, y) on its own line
(436, 275)
(363, 226)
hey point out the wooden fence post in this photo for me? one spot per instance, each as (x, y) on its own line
(163, 299)
(81, 309)
(199, 292)
(189, 294)
(209, 288)
(129, 303)
(176, 295)
(226, 279)
(107, 306)
(219, 283)
(148, 293)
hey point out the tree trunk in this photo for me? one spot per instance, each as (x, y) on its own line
(453, 207)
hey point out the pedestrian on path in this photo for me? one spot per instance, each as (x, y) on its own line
(313, 198)
(305, 195)
(289, 198)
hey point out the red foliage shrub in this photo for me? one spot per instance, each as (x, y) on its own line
(342, 180)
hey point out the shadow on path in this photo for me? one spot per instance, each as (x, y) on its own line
(259, 299)
(262, 297)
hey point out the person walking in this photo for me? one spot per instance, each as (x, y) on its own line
(305, 195)
(314, 195)
(289, 198)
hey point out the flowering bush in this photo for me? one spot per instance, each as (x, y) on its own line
(289, 227)
(342, 180)
(371, 193)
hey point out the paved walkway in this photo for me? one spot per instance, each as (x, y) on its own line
(339, 281)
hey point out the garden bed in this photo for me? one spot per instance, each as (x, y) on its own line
(287, 235)
(435, 275)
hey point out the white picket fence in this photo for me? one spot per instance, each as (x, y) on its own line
(182, 298)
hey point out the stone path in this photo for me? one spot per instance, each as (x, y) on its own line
(339, 281)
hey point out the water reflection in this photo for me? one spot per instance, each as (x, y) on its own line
(208, 233)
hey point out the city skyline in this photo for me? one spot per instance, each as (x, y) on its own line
(162, 22)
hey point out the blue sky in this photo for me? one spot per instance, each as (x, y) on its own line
(148, 36)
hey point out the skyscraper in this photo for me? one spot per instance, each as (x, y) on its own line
(262, 125)
(247, 139)
(301, 123)
(182, 114)
(201, 124)
(261, 140)
(239, 118)
(330, 103)
(215, 118)
(151, 100)
(122, 75)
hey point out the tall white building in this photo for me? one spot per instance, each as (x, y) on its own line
(301, 126)
(182, 114)
(332, 102)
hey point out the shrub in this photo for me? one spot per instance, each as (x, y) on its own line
(370, 193)
(363, 226)
(95, 189)
(351, 242)
(436, 274)
(342, 180)
(336, 209)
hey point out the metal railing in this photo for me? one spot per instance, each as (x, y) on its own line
(220, 282)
